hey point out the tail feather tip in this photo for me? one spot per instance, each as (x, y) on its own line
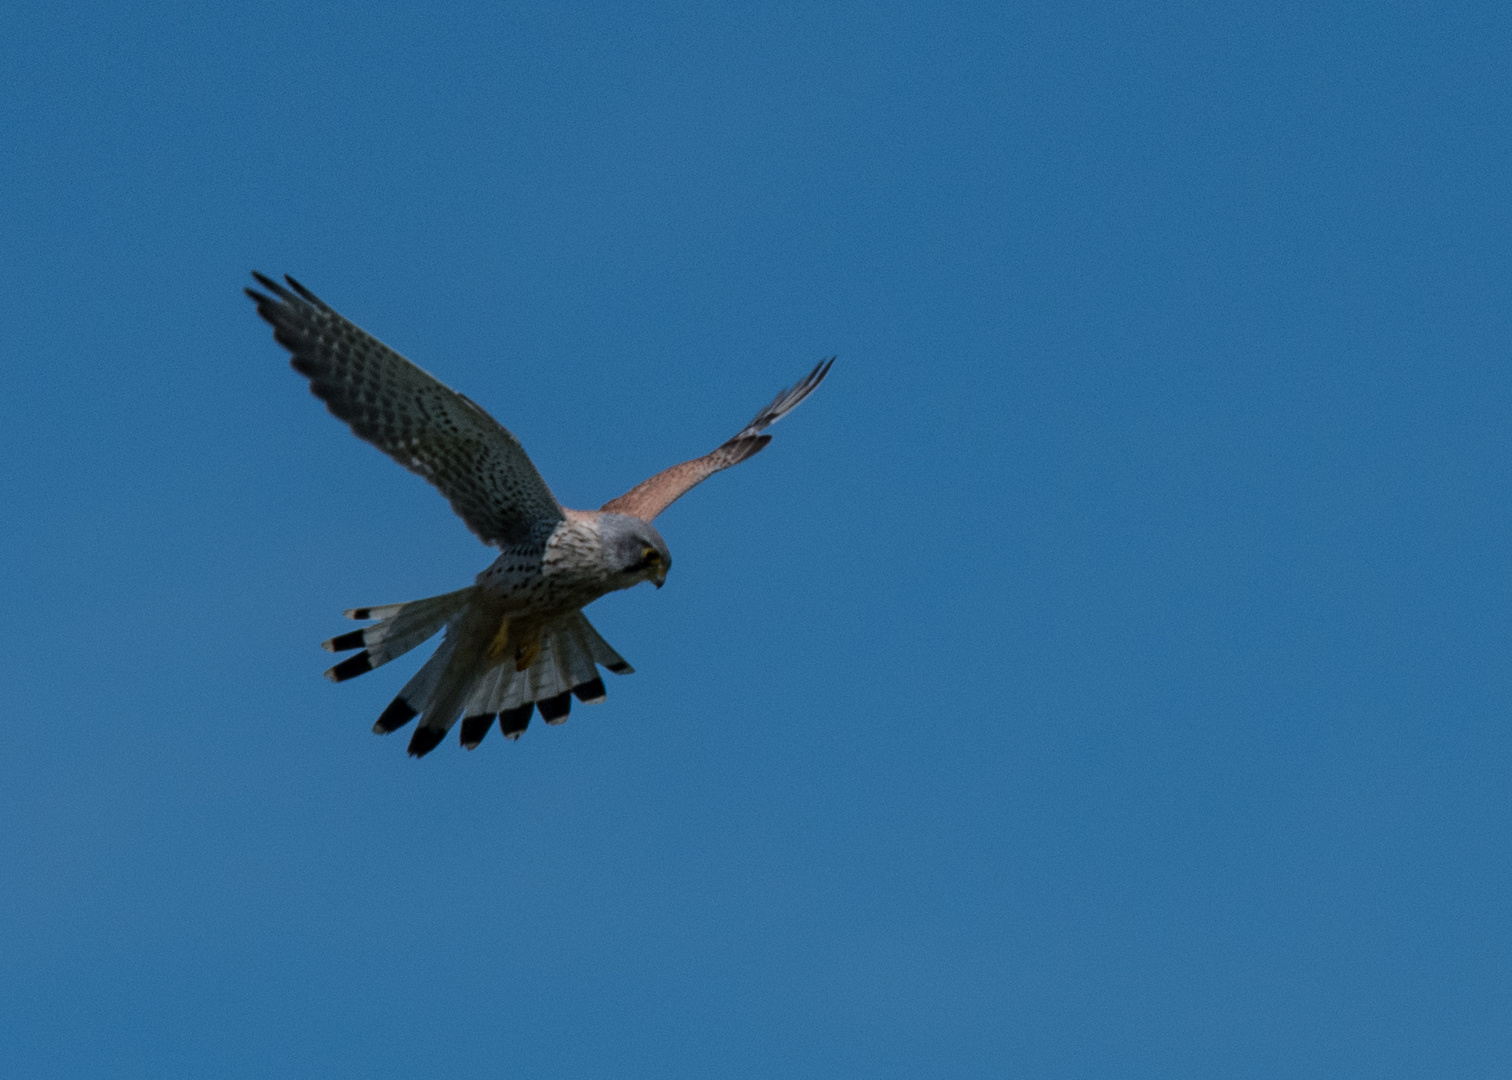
(591, 692)
(474, 728)
(513, 722)
(398, 713)
(554, 710)
(350, 668)
(425, 740)
(344, 642)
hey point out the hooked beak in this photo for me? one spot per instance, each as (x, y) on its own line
(660, 577)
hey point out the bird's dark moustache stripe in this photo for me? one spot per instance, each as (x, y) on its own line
(590, 692)
(351, 667)
(398, 713)
(343, 642)
(554, 710)
(513, 722)
(425, 740)
(474, 728)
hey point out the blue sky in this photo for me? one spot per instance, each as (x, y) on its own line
(1105, 674)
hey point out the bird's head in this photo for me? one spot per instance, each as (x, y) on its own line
(633, 550)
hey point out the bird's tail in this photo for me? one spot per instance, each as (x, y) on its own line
(468, 677)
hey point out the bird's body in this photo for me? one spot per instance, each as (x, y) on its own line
(564, 574)
(533, 588)
(515, 641)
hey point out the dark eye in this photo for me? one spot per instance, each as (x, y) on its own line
(650, 554)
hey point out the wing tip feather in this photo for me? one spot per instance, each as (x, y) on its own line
(268, 283)
(790, 397)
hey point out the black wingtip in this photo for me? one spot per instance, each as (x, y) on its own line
(398, 713)
(304, 293)
(621, 668)
(283, 293)
(425, 740)
(789, 399)
(813, 379)
(513, 722)
(554, 710)
(474, 728)
(350, 668)
(272, 286)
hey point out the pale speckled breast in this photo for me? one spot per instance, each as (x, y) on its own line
(515, 576)
(563, 576)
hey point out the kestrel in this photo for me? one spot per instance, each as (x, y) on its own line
(516, 639)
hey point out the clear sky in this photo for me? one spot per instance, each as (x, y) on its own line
(1105, 674)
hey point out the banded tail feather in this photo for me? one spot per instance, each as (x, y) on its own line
(591, 692)
(351, 667)
(461, 682)
(398, 713)
(474, 728)
(400, 628)
(513, 722)
(424, 740)
(343, 642)
(554, 710)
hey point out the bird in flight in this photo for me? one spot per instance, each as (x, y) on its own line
(516, 640)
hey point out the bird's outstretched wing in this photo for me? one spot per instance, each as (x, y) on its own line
(413, 417)
(651, 497)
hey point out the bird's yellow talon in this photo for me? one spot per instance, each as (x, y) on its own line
(500, 642)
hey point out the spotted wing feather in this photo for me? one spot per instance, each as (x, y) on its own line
(412, 417)
(650, 497)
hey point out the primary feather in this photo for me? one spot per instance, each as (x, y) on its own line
(412, 417)
(650, 497)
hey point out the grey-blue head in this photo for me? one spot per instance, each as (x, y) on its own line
(633, 550)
